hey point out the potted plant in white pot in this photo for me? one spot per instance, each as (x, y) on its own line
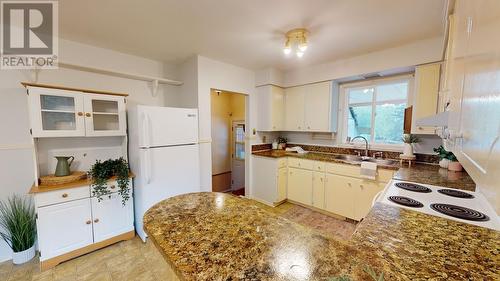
(444, 156)
(18, 227)
(282, 142)
(409, 140)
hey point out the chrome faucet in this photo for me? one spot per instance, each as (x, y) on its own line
(366, 143)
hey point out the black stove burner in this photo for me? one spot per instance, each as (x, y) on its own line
(413, 187)
(456, 193)
(405, 201)
(459, 212)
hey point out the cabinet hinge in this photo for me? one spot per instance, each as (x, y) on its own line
(36, 216)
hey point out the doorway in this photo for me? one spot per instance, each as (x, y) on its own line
(228, 141)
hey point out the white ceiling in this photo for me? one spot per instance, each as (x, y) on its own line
(249, 33)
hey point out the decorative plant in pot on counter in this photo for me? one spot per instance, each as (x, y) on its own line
(282, 142)
(101, 172)
(448, 160)
(409, 140)
(18, 227)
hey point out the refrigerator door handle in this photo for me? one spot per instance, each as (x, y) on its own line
(146, 130)
(147, 165)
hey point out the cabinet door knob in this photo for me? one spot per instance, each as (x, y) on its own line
(88, 114)
(96, 220)
(80, 113)
(88, 222)
(309, 127)
(349, 184)
(64, 195)
(113, 186)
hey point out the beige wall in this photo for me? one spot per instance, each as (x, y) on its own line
(225, 108)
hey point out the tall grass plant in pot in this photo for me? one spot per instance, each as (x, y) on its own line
(18, 227)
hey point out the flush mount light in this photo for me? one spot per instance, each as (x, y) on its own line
(296, 39)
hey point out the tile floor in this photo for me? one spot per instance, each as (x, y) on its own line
(134, 260)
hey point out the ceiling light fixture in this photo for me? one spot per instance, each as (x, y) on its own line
(296, 39)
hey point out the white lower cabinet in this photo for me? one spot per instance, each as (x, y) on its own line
(300, 185)
(340, 195)
(364, 193)
(318, 190)
(269, 180)
(64, 227)
(111, 218)
(333, 187)
(282, 180)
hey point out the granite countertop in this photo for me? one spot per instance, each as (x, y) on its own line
(419, 173)
(216, 236)
(435, 175)
(315, 156)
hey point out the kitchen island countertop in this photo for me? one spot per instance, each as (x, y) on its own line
(216, 236)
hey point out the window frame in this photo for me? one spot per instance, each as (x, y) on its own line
(373, 83)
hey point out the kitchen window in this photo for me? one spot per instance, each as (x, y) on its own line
(375, 110)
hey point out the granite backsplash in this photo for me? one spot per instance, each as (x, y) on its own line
(424, 158)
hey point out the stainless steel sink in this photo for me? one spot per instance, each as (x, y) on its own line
(382, 161)
(359, 159)
(350, 158)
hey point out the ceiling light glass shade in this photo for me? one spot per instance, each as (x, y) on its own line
(300, 54)
(303, 47)
(287, 50)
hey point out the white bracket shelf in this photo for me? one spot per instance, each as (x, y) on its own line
(155, 81)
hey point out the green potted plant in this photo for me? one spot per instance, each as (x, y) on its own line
(282, 142)
(18, 227)
(101, 172)
(444, 156)
(448, 160)
(409, 140)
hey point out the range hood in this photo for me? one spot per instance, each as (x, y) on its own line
(438, 120)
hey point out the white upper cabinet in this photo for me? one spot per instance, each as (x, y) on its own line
(271, 103)
(64, 113)
(294, 109)
(309, 108)
(426, 95)
(106, 115)
(317, 107)
(56, 113)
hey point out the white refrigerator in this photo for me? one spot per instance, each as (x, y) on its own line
(166, 147)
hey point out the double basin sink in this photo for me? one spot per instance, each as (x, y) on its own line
(358, 159)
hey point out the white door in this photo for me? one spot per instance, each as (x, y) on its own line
(238, 156)
(110, 217)
(300, 186)
(64, 227)
(104, 115)
(294, 108)
(162, 126)
(317, 107)
(167, 172)
(56, 113)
